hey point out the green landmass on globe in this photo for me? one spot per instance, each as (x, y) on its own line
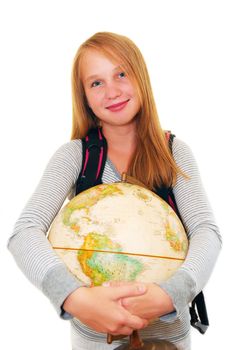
(102, 267)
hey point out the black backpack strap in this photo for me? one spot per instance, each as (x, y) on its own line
(94, 153)
(198, 313)
(170, 137)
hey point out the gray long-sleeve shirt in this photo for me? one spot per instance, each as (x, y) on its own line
(43, 267)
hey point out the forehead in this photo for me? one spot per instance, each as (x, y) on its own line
(97, 63)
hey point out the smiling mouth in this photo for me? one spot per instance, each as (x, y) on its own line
(118, 105)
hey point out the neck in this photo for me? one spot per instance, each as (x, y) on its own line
(120, 137)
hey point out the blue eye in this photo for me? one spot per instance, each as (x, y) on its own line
(96, 83)
(122, 74)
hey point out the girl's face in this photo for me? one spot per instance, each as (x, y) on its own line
(110, 94)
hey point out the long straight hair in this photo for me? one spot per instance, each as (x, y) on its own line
(152, 162)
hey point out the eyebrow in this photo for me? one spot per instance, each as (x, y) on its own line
(95, 76)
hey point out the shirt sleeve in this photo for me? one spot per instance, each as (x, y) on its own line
(203, 233)
(28, 243)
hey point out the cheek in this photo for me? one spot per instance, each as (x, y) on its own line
(94, 99)
(91, 100)
(130, 90)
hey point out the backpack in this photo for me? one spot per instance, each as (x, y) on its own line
(94, 154)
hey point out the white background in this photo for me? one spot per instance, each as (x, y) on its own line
(188, 47)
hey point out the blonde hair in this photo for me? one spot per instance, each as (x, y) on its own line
(152, 162)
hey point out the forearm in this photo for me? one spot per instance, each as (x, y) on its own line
(203, 233)
(28, 243)
(42, 267)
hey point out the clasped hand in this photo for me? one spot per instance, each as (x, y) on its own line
(154, 303)
(118, 308)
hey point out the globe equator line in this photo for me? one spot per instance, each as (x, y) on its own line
(116, 252)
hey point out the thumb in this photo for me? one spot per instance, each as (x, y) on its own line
(127, 291)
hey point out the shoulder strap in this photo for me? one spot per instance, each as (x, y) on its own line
(94, 153)
(198, 314)
(169, 137)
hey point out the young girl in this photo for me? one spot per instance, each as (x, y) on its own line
(111, 90)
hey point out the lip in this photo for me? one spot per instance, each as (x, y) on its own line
(117, 105)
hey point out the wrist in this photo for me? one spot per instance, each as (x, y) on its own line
(163, 302)
(73, 300)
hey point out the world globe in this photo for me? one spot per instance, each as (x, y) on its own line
(119, 232)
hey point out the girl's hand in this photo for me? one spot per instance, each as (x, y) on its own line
(152, 304)
(100, 308)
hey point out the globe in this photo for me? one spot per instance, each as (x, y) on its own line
(119, 232)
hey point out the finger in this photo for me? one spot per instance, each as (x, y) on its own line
(130, 290)
(136, 322)
(130, 301)
(123, 331)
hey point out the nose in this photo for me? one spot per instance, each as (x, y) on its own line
(112, 91)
